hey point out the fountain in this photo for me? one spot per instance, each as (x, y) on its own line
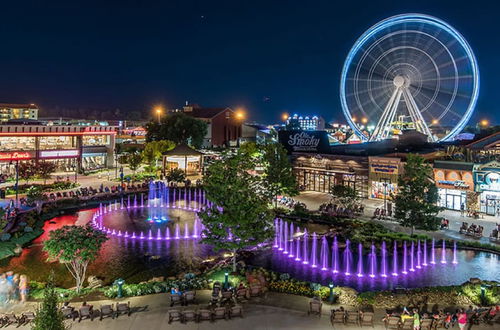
(412, 251)
(455, 253)
(347, 258)
(395, 259)
(305, 256)
(433, 255)
(324, 254)
(297, 250)
(443, 253)
(335, 256)
(314, 256)
(360, 260)
(384, 260)
(404, 259)
(425, 254)
(373, 261)
(418, 255)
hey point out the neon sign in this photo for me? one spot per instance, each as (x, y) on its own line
(14, 155)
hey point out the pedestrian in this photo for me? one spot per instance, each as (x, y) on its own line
(462, 319)
(462, 209)
(416, 320)
(23, 288)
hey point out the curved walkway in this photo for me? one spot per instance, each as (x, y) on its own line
(273, 311)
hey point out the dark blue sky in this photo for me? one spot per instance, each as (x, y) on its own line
(268, 56)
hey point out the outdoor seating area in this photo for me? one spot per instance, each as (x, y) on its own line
(87, 311)
(205, 314)
(357, 318)
(475, 231)
(16, 320)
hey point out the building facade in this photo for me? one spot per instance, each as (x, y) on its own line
(306, 123)
(72, 148)
(487, 185)
(10, 111)
(383, 176)
(455, 184)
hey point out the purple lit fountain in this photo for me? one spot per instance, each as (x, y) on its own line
(347, 258)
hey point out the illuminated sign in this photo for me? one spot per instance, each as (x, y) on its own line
(491, 182)
(14, 155)
(59, 153)
(300, 141)
(384, 168)
(458, 184)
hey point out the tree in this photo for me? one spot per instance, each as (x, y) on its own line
(44, 169)
(344, 196)
(27, 170)
(76, 247)
(179, 128)
(415, 203)
(176, 175)
(134, 161)
(250, 148)
(239, 216)
(278, 178)
(153, 151)
(35, 195)
(48, 315)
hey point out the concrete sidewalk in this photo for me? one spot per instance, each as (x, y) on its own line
(272, 311)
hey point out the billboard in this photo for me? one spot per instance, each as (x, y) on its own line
(305, 141)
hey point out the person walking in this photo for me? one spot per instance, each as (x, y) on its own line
(462, 319)
(416, 320)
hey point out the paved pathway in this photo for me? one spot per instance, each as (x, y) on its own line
(273, 311)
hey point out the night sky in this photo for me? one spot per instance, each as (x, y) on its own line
(267, 56)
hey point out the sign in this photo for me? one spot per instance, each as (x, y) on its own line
(302, 141)
(458, 184)
(59, 153)
(384, 168)
(8, 156)
(491, 182)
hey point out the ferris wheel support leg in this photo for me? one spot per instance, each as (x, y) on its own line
(378, 131)
(392, 115)
(420, 119)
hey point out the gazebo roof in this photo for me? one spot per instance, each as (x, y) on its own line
(183, 150)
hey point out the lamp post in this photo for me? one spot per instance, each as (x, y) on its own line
(226, 280)
(119, 282)
(17, 183)
(385, 197)
(121, 180)
(330, 297)
(158, 113)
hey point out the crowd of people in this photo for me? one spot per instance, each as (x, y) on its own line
(13, 288)
(339, 211)
(461, 317)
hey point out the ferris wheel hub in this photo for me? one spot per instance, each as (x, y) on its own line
(400, 81)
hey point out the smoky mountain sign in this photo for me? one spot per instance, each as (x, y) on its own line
(305, 141)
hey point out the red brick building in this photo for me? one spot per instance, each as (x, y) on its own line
(224, 126)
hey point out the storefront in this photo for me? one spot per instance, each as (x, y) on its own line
(487, 184)
(71, 148)
(383, 176)
(322, 172)
(454, 180)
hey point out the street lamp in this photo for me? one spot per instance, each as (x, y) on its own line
(158, 113)
(226, 280)
(364, 120)
(330, 297)
(284, 117)
(484, 123)
(119, 282)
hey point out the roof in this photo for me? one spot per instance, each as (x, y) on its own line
(182, 150)
(206, 113)
(485, 142)
(18, 106)
(450, 165)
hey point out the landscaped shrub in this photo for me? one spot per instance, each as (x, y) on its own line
(5, 237)
(130, 290)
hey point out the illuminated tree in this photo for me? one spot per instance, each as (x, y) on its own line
(239, 216)
(415, 203)
(75, 247)
(278, 178)
(154, 150)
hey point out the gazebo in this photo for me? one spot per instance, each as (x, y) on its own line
(183, 157)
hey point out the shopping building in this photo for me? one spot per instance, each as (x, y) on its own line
(487, 185)
(10, 111)
(455, 184)
(72, 148)
(383, 176)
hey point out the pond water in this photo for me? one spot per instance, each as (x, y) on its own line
(160, 253)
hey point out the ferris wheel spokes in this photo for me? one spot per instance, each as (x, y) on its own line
(386, 121)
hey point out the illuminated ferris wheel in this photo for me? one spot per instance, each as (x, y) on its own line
(410, 71)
